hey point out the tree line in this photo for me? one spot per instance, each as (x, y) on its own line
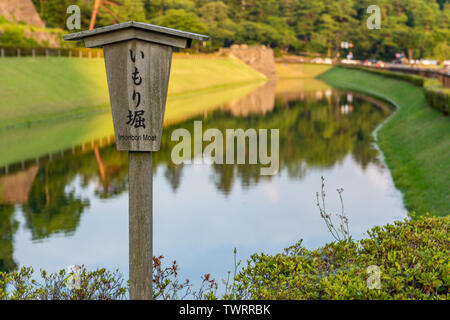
(416, 28)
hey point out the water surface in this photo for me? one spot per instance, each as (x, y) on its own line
(71, 207)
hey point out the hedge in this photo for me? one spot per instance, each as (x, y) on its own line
(411, 256)
(437, 96)
(414, 79)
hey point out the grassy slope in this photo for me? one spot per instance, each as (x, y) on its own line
(41, 89)
(415, 140)
(23, 143)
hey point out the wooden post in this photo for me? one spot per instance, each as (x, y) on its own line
(140, 225)
(138, 59)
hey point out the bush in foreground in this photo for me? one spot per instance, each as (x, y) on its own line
(77, 283)
(81, 285)
(412, 257)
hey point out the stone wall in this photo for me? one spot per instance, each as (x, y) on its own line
(260, 58)
(24, 11)
(20, 10)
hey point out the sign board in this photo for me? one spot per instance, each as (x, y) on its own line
(137, 59)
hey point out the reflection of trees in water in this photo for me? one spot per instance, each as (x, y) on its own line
(315, 131)
(52, 205)
(173, 175)
(8, 227)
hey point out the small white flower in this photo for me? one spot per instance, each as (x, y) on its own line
(73, 281)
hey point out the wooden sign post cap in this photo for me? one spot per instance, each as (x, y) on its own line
(135, 30)
(138, 58)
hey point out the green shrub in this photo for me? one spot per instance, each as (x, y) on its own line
(437, 96)
(101, 284)
(14, 36)
(411, 78)
(412, 257)
(3, 20)
(83, 285)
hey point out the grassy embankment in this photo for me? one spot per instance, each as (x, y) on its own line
(415, 140)
(295, 78)
(42, 89)
(39, 90)
(297, 70)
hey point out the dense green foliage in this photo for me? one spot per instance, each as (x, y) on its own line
(78, 283)
(419, 28)
(20, 35)
(14, 36)
(415, 140)
(82, 285)
(412, 257)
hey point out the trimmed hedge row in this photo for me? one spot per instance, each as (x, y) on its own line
(411, 78)
(437, 96)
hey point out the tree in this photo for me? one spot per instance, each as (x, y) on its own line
(442, 51)
(180, 19)
(101, 4)
(214, 12)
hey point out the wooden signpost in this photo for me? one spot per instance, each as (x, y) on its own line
(138, 58)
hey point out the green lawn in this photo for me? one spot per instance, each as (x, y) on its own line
(29, 142)
(42, 89)
(415, 140)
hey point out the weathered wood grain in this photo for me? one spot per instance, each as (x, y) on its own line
(140, 225)
(101, 40)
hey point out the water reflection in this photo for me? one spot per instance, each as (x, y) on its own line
(71, 195)
(8, 227)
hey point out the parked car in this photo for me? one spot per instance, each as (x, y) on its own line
(369, 62)
(428, 62)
